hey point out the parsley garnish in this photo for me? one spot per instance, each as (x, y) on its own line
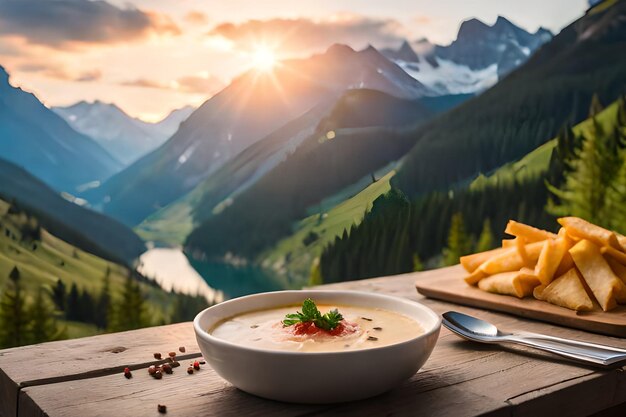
(310, 313)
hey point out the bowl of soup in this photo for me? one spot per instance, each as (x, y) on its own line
(263, 344)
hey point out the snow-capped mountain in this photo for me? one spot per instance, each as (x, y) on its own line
(125, 137)
(38, 140)
(250, 108)
(476, 60)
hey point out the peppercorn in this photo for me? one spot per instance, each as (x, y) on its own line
(175, 364)
(152, 369)
(202, 362)
(127, 373)
(158, 374)
(182, 349)
(190, 370)
(196, 365)
(172, 354)
(157, 355)
(167, 368)
(162, 408)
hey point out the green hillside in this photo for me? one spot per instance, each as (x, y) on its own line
(295, 254)
(91, 231)
(43, 259)
(525, 109)
(398, 229)
(537, 162)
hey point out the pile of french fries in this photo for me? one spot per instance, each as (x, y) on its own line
(582, 265)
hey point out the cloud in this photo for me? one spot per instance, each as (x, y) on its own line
(197, 18)
(144, 83)
(204, 83)
(304, 35)
(67, 23)
(60, 73)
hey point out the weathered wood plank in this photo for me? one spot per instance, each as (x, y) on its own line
(86, 358)
(460, 378)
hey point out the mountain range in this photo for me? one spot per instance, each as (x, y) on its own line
(37, 139)
(250, 108)
(522, 111)
(479, 56)
(84, 228)
(125, 137)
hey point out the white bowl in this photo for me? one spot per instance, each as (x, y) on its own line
(316, 377)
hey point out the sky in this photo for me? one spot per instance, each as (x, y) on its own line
(152, 56)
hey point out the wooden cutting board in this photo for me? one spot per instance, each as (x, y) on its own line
(452, 288)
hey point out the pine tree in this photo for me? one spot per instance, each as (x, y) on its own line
(595, 107)
(130, 311)
(417, 263)
(73, 311)
(485, 240)
(14, 318)
(459, 243)
(59, 295)
(44, 327)
(103, 305)
(589, 180)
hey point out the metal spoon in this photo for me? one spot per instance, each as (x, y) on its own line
(477, 330)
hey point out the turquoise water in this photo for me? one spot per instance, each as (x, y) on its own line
(173, 269)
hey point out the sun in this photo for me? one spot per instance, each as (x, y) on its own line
(263, 59)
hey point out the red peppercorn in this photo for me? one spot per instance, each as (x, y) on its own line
(162, 408)
(127, 373)
(158, 374)
(175, 364)
(196, 365)
(152, 369)
(167, 368)
(157, 355)
(172, 354)
(182, 349)
(190, 370)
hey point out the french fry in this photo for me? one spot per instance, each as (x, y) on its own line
(531, 234)
(472, 262)
(614, 253)
(582, 229)
(550, 258)
(517, 283)
(474, 277)
(565, 291)
(511, 260)
(607, 288)
(520, 243)
(618, 268)
(507, 243)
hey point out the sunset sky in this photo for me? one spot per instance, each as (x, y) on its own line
(151, 56)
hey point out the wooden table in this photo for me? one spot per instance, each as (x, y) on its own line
(83, 377)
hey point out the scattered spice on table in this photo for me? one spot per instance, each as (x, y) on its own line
(162, 408)
(202, 362)
(127, 373)
(157, 355)
(196, 365)
(172, 354)
(182, 349)
(167, 368)
(158, 374)
(190, 370)
(152, 369)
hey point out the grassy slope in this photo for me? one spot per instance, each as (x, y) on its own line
(54, 259)
(293, 255)
(536, 162)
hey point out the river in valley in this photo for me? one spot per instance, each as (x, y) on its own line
(216, 281)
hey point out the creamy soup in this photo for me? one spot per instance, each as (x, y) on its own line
(362, 328)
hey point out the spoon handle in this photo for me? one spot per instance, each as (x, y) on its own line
(573, 349)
